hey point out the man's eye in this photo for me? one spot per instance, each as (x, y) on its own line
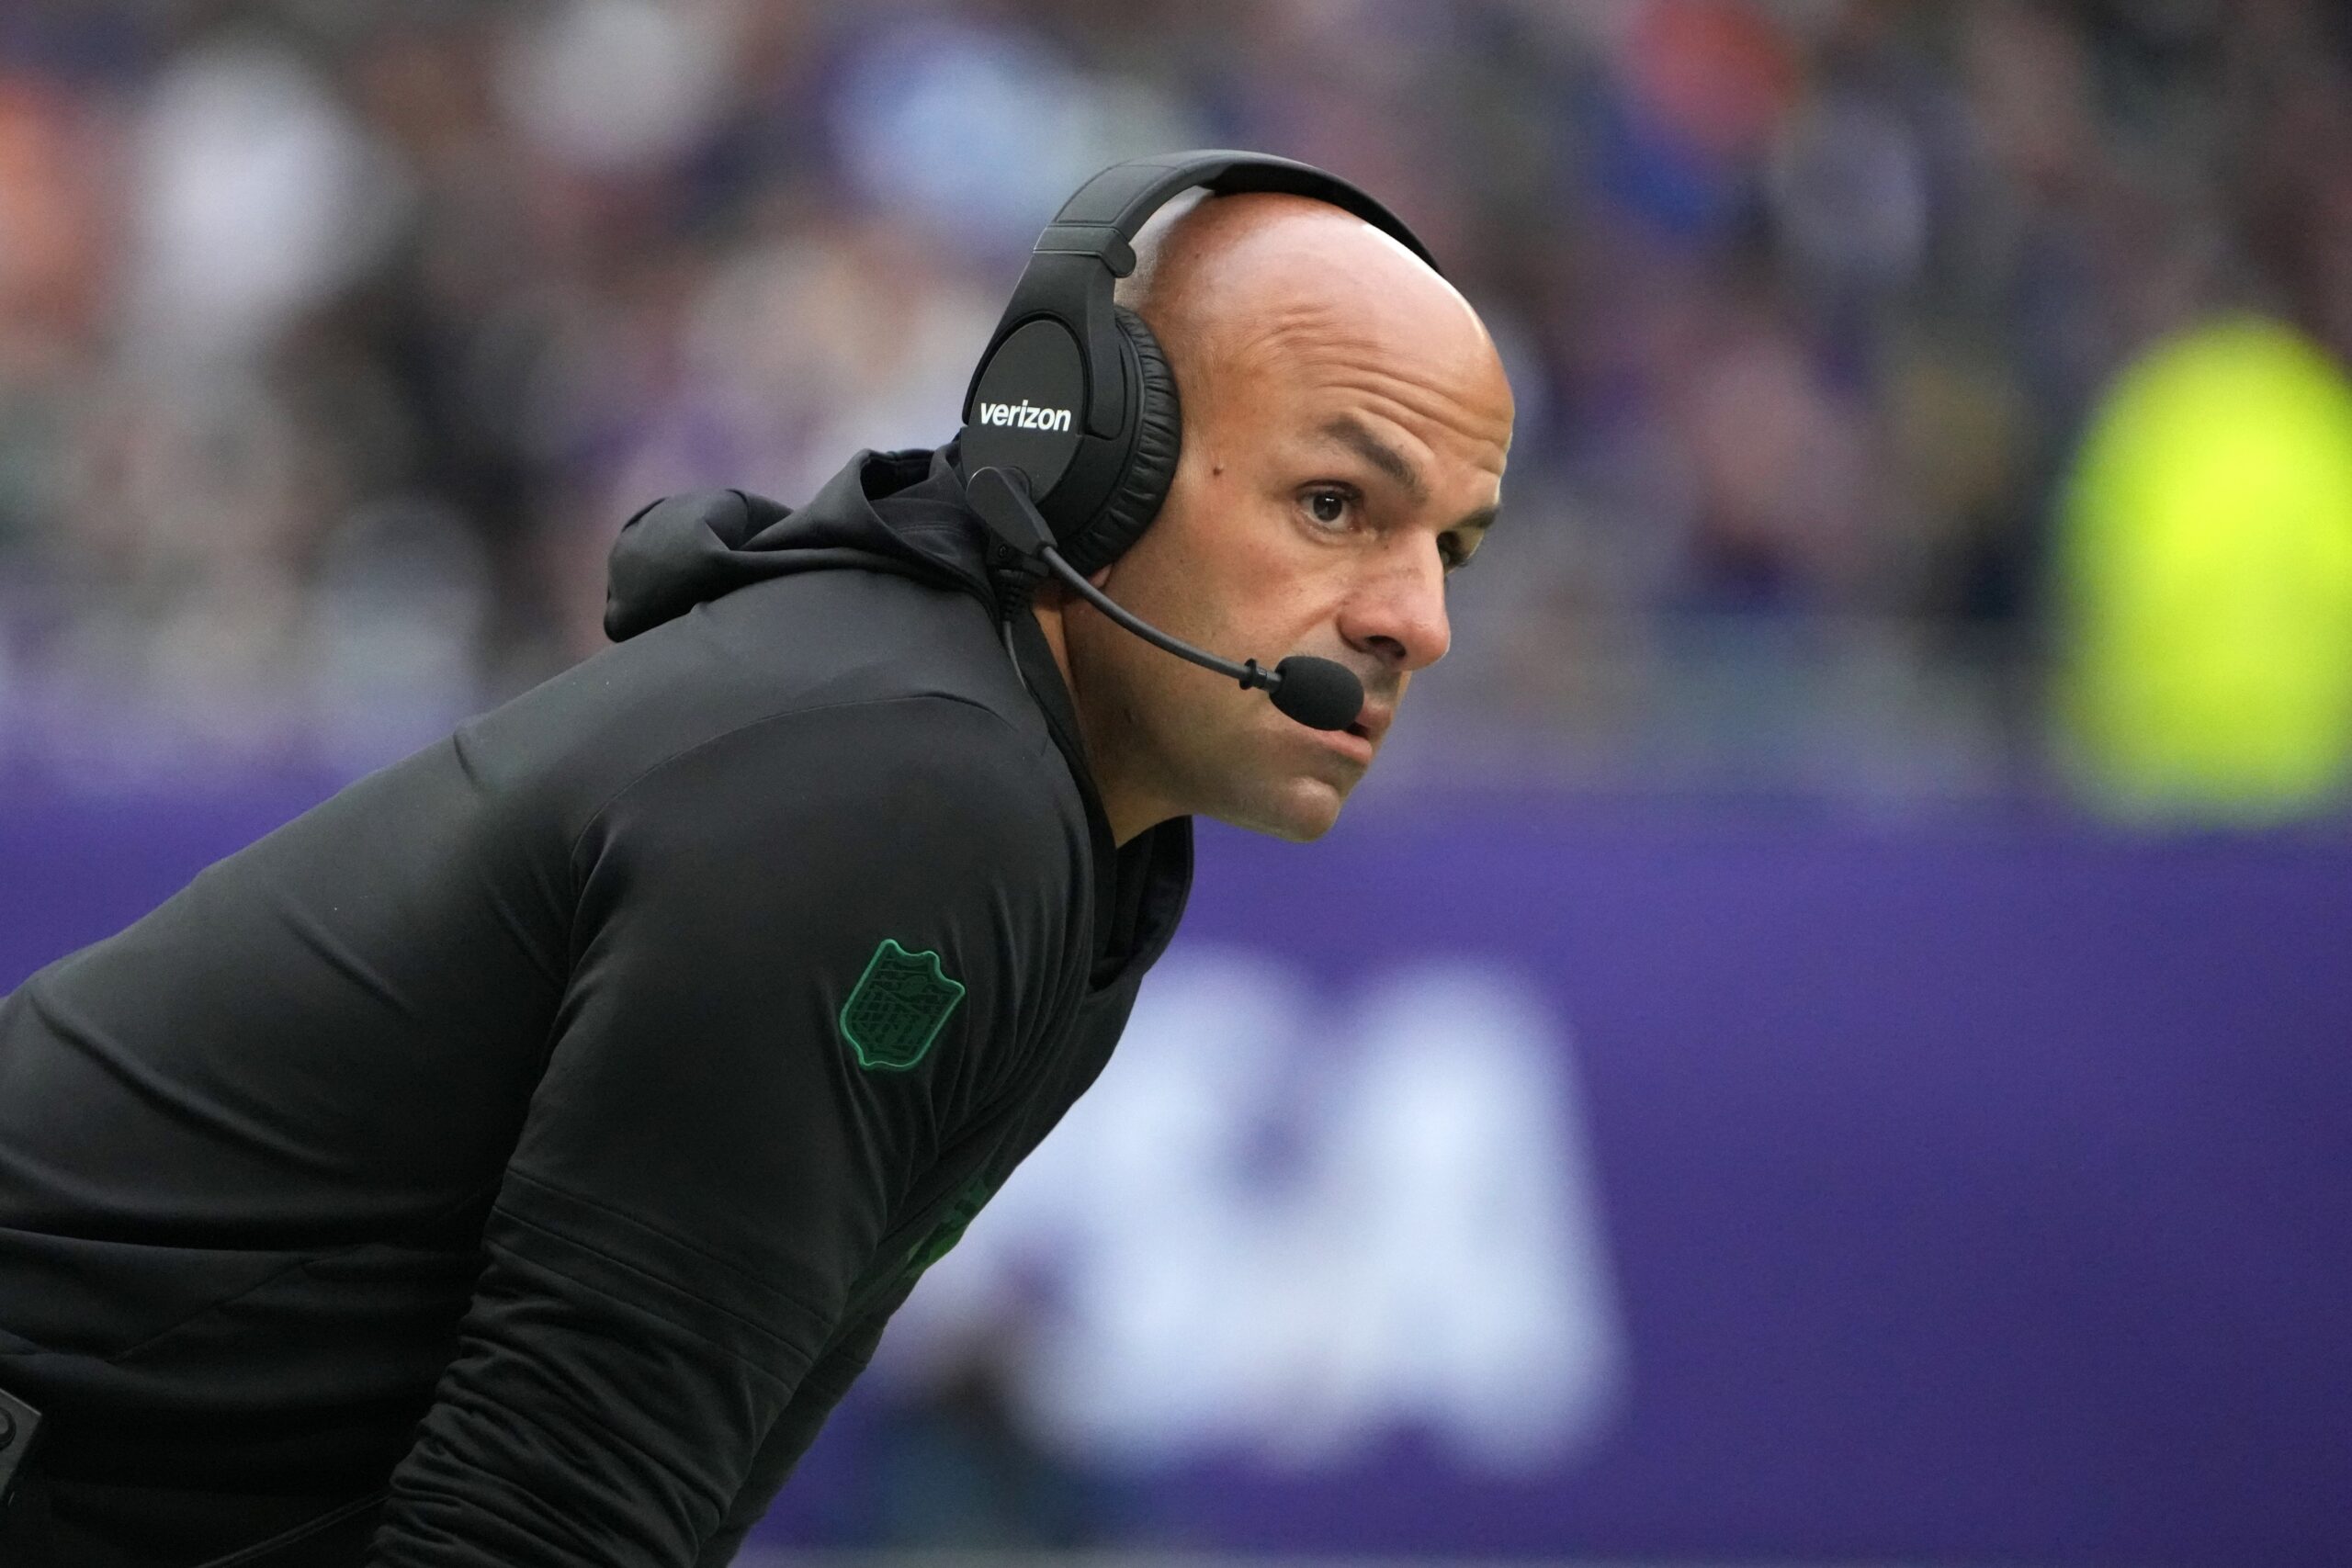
(1451, 553)
(1328, 506)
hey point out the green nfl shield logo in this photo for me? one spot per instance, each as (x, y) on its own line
(900, 1001)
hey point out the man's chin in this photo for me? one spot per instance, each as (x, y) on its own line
(1300, 812)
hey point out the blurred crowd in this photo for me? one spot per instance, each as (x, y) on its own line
(338, 336)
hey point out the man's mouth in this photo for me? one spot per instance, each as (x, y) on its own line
(1352, 743)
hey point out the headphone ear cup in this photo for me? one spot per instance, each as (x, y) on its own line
(1151, 464)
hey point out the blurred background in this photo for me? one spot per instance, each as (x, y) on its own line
(1820, 1041)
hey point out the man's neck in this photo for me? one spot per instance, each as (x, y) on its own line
(1128, 810)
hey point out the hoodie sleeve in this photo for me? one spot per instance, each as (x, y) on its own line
(804, 956)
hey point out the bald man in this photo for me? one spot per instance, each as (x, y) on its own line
(1346, 421)
(511, 1161)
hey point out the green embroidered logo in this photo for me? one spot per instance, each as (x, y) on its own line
(900, 1001)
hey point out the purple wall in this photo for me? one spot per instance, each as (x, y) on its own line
(1974, 1191)
(1980, 1189)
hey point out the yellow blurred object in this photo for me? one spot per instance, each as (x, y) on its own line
(2205, 560)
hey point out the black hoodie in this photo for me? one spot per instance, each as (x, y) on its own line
(548, 1123)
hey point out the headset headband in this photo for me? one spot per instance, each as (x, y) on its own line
(1123, 197)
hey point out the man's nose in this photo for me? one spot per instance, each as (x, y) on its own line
(1398, 611)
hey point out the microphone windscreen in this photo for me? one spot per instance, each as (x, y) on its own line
(1318, 693)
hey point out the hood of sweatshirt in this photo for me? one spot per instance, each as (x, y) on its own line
(895, 512)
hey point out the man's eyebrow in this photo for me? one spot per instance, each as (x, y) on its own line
(1357, 438)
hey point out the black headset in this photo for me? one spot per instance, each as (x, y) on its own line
(1073, 392)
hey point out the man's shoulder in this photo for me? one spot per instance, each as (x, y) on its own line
(778, 687)
(909, 766)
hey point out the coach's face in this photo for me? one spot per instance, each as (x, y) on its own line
(1346, 420)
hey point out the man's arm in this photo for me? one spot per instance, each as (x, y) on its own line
(792, 1433)
(710, 1159)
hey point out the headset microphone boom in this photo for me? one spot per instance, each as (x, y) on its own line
(1319, 693)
